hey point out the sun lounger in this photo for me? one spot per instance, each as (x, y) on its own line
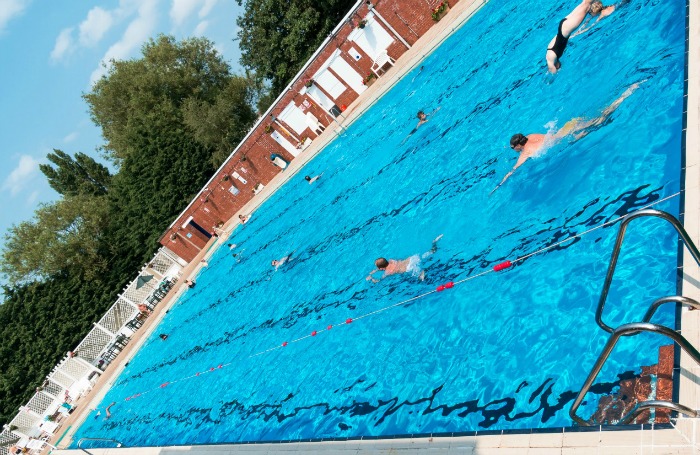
(238, 177)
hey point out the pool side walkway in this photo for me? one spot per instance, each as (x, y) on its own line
(690, 320)
(639, 441)
(666, 441)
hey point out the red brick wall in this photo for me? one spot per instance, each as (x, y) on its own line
(215, 204)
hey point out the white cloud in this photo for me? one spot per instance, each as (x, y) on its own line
(135, 34)
(33, 197)
(71, 137)
(9, 9)
(95, 25)
(182, 9)
(21, 175)
(64, 44)
(201, 28)
(206, 9)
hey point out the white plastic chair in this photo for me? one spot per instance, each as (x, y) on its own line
(381, 60)
(316, 126)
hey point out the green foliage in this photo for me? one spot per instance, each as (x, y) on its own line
(167, 118)
(278, 36)
(222, 124)
(80, 176)
(39, 323)
(169, 74)
(62, 236)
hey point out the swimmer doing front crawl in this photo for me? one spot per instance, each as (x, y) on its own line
(409, 265)
(528, 146)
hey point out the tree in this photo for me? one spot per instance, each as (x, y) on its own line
(278, 36)
(73, 177)
(223, 123)
(62, 236)
(167, 76)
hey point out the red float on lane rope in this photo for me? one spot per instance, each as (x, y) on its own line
(313, 334)
(164, 385)
(442, 287)
(329, 327)
(502, 266)
(284, 344)
(348, 320)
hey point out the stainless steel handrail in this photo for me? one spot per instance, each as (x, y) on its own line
(670, 299)
(119, 444)
(657, 404)
(616, 252)
(624, 330)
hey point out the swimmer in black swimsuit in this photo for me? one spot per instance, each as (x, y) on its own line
(567, 25)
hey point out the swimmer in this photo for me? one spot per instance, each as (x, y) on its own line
(244, 218)
(409, 265)
(422, 118)
(109, 414)
(528, 146)
(163, 336)
(98, 414)
(190, 284)
(278, 263)
(601, 12)
(204, 263)
(313, 179)
(556, 47)
(231, 246)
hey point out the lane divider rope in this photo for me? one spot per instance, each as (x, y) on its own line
(449, 285)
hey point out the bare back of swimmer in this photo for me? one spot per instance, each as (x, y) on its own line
(528, 146)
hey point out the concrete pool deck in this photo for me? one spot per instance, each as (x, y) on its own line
(680, 440)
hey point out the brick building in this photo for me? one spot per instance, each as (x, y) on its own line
(367, 41)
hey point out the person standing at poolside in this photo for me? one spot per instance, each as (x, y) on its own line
(409, 265)
(528, 146)
(556, 47)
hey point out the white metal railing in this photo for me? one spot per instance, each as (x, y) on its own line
(83, 361)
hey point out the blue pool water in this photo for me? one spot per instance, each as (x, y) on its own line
(507, 350)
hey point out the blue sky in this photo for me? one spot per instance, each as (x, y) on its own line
(51, 52)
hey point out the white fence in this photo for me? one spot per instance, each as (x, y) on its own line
(71, 377)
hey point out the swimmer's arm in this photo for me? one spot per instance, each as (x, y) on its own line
(521, 160)
(370, 278)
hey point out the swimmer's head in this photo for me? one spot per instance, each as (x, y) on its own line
(596, 7)
(517, 142)
(381, 263)
(421, 115)
(307, 178)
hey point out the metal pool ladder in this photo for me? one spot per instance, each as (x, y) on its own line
(119, 444)
(636, 327)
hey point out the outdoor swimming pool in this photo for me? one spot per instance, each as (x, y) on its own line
(503, 351)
